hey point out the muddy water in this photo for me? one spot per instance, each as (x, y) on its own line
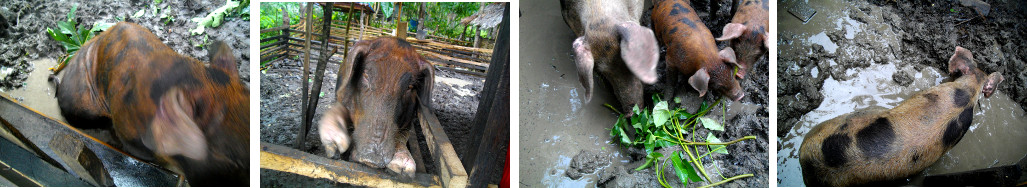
(38, 93)
(556, 122)
(997, 122)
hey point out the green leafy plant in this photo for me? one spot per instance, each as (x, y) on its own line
(665, 127)
(215, 18)
(72, 35)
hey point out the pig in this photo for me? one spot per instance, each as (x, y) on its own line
(382, 85)
(162, 107)
(692, 52)
(885, 146)
(611, 41)
(747, 33)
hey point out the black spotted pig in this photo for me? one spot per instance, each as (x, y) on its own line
(885, 146)
(747, 33)
(383, 83)
(692, 51)
(611, 41)
(163, 107)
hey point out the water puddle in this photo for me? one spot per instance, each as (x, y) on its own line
(38, 93)
(997, 121)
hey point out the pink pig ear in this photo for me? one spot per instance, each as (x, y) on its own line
(732, 31)
(639, 51)
(584, 62)
(173, 131)
(961, 62)
(700, 81)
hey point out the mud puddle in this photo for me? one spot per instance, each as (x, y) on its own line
(557, 124)
(998, 123)
(38, 93)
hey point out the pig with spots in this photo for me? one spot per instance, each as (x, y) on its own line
(382, 85)
(747, 33)
(885, 146)
(611, 41)
(692, 52)
(163, 107)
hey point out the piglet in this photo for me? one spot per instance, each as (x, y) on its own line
(885, 146)
(747, 33)
(611, 41)
(692, 52)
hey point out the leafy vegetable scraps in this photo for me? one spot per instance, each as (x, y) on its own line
(665, 127)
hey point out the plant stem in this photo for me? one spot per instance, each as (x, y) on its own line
(727, 180)
(612, 108)
(686, 142)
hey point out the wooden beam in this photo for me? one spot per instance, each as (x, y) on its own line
(451, 171)
(285, 159)
(304, 126)
(493, 115)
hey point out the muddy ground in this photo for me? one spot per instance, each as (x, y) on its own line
(926, 33)
(869, 54)
(565, 140)
(23, 36)
(455, 100)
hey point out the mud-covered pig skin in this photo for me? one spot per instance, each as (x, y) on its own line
(611, 42)
(163, 107)
(382, 85)
(692, 52)
(875, 147)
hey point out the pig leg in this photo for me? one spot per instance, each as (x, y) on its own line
(402, 162)
(332, 129)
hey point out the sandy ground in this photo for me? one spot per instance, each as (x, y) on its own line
(867, 54)
(562, 135)
(23, 36)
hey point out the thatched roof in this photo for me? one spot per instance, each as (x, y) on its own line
(488, 17)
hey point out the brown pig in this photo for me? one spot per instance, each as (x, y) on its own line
(747, 33)
(885, 146)
(163, 107)
(611, 41)
(692, 52)
(383, 84)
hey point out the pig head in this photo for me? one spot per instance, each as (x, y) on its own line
(885, 146)
(611, 41)
(163, 107)
(692, 52)
(747, 33)
(382, 85)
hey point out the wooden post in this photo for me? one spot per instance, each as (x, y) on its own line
(493, 114)
(319, 73)
(285, 32)
(305, 125)
(401, 26)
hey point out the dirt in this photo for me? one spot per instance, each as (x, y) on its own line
(23, 36)
(920, 34)
(454, 99)
(561, 131)
(866, 54)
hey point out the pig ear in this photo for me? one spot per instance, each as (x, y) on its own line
(728, 56)
(173, 131)
(427, 82)
(354, 60)
(700, 80)
(583, 60)
(993, 80)
(221, 57)
(961, 62)
(732, 31)
(639, 51)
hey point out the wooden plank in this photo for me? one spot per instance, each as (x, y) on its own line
(273, 29)
(285, 159)
(490, 129)
(271, 38)
(472, 73)
(451, 171)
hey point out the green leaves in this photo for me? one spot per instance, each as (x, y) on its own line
(73, 35)
(213, 19)
(660, 113)
(684, 171)
(721, 149)
(711, 124)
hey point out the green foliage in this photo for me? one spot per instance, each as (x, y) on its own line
(216, 17)
(665, 127)
(72, 35)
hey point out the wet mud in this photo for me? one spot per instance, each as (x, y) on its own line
(23, 36)
(874, 54)
(563, 137)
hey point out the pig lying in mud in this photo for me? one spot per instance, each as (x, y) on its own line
(885, 146)
(747, 33)
(382, 85)
(611, 41)
(692, 52)
(163, 107)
